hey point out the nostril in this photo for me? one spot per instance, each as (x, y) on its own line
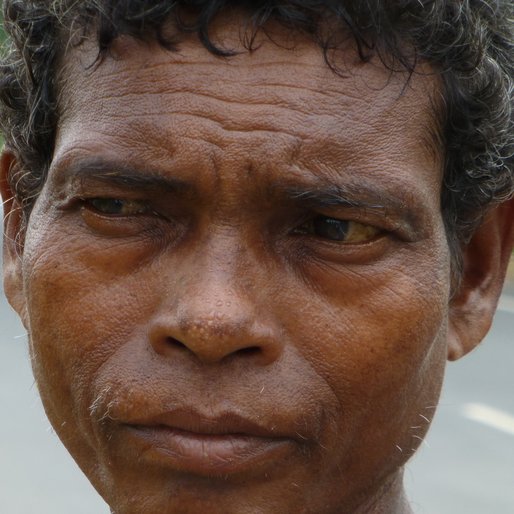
(249, 351)
(214, 342)
(170, 341)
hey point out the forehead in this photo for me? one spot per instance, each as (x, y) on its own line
(281, 103)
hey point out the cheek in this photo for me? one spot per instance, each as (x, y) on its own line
(79, 314)
(378, 339)
(375, 349)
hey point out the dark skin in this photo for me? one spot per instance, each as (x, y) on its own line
(236, 280)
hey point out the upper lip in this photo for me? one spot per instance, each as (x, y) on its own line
(220, 424)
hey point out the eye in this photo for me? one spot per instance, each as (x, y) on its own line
(117, 206)
(344, 231)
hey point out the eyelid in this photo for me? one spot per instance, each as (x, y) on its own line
(89, 203)
(370, 217)
(310, 228)
(379, 217)
(150, 225)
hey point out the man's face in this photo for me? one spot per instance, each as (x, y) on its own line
(236, 279)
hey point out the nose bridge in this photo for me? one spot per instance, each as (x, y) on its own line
(222, 280)
(217, 311)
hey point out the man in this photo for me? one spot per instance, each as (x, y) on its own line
(244, 240)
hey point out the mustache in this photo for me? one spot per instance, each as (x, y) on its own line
(129, 404)
(102, 407)
(134, 385)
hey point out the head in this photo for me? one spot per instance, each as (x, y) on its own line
(245, 241)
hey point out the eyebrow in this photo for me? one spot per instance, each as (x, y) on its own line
(122, 174)
(367, 197)
(324, 194)
(333, 196)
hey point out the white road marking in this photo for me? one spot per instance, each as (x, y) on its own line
(506, 303)
(489, 416)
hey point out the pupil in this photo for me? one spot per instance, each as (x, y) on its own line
(330, 228)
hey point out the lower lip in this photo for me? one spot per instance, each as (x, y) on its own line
(206, 454)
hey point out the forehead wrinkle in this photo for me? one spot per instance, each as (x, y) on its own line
(192, 53)
(245, 68)
(340, 123)
(242, 69)
(223, 93)
(266, 118)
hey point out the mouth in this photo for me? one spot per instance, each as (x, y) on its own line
(189, 442)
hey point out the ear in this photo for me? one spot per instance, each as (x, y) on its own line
(13, 237)
(485, 262)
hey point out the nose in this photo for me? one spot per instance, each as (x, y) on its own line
(213, 323)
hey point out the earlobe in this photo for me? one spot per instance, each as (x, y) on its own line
(12, 238)
(485, 261)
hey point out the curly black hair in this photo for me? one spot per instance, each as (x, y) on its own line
(469, 43)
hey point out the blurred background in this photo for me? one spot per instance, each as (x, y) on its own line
(466, 465)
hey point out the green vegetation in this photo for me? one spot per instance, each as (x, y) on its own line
(2, 39)
(2, 33)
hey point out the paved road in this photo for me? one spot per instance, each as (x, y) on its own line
(467, 466)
